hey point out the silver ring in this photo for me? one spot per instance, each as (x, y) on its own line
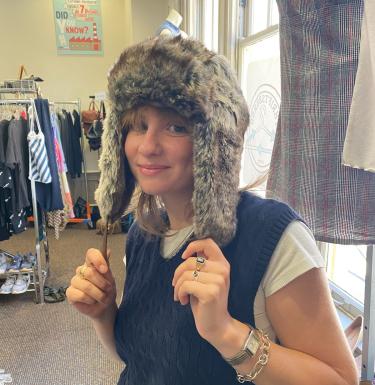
(200, 261)
(195, 275)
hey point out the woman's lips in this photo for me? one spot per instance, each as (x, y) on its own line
(151, 170)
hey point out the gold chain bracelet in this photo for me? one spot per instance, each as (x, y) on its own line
(261, 362)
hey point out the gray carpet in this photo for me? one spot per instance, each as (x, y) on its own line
(52, 344)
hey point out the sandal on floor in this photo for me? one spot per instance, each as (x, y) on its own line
(62, 289)
(52, 295)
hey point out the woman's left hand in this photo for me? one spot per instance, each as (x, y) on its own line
(207, 290)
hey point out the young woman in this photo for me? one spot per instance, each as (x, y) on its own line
(222, 286)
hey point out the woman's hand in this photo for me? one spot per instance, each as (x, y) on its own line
(207, 290)
(92, 290)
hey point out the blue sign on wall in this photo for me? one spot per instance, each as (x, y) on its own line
(78, 26)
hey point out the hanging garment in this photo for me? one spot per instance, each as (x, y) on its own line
(61, 168)
(319, 44)
(70, 138)
(359, 146)
(12, 220)
(18, 222)
(76, 140)
(17, 159)
(5, 174)
(48, 195)
(60, 157)
(6, 183)
(3, 139)
(39, 170)
(58, 220)
(4, 215)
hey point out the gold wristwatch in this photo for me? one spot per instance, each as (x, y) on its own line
(248, 350)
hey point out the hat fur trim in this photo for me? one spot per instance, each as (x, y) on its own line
(200, 85)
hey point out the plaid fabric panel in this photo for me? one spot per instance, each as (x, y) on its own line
(319, 44)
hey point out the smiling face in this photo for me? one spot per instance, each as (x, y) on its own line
(159, 150)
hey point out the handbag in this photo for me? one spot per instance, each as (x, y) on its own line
(95, 131)
(39, 170)
(89, 116)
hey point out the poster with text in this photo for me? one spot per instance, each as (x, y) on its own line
(78, 27)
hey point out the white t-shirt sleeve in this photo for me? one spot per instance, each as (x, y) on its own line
(295, 254)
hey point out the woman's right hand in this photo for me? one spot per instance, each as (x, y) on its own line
(92, 290)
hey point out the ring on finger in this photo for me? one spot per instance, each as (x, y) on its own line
(199, 262)
(195, 275)
(82, 270)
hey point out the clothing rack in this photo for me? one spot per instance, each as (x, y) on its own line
(86, 220)
(39, 274)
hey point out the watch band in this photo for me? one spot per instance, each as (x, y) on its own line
(238, 359)
(246, 351)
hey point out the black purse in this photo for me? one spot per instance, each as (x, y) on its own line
(94, 133)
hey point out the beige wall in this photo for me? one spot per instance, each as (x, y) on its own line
(147, 16)
(27, 36)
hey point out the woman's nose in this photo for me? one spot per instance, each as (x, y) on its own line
(150, 144)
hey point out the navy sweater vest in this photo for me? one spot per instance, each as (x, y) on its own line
(155, 336)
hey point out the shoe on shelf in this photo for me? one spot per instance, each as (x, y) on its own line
(6, 287)
(3, 263)
(15, 265)
(28, 261)
(22, 284)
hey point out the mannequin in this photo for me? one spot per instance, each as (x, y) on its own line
(171, 25)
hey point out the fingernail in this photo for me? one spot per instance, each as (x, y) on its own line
(103, 268)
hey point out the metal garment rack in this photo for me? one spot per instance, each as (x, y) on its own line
(368, 346)
(38, 274)
(86, 220)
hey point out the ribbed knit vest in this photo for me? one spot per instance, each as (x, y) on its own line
(155, 336)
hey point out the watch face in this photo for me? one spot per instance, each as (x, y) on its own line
(253, 344)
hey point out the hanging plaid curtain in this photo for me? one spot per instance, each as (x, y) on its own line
(319, 46)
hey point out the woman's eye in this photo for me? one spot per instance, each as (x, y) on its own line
(178, 130)
(139, 127)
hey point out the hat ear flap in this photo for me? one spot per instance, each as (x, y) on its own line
(116, 184)
(217, 162)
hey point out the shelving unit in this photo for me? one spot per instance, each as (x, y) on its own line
(33, 282)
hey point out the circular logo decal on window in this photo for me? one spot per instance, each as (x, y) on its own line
(260, 135)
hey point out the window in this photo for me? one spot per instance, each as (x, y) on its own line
(346, 269)
(201, 21)
(262, 93)
(260, 15)
(211, 24)
(259, 54)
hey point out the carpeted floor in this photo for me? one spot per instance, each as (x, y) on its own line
(52, 344)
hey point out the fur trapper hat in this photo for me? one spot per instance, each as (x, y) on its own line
(200, 85)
